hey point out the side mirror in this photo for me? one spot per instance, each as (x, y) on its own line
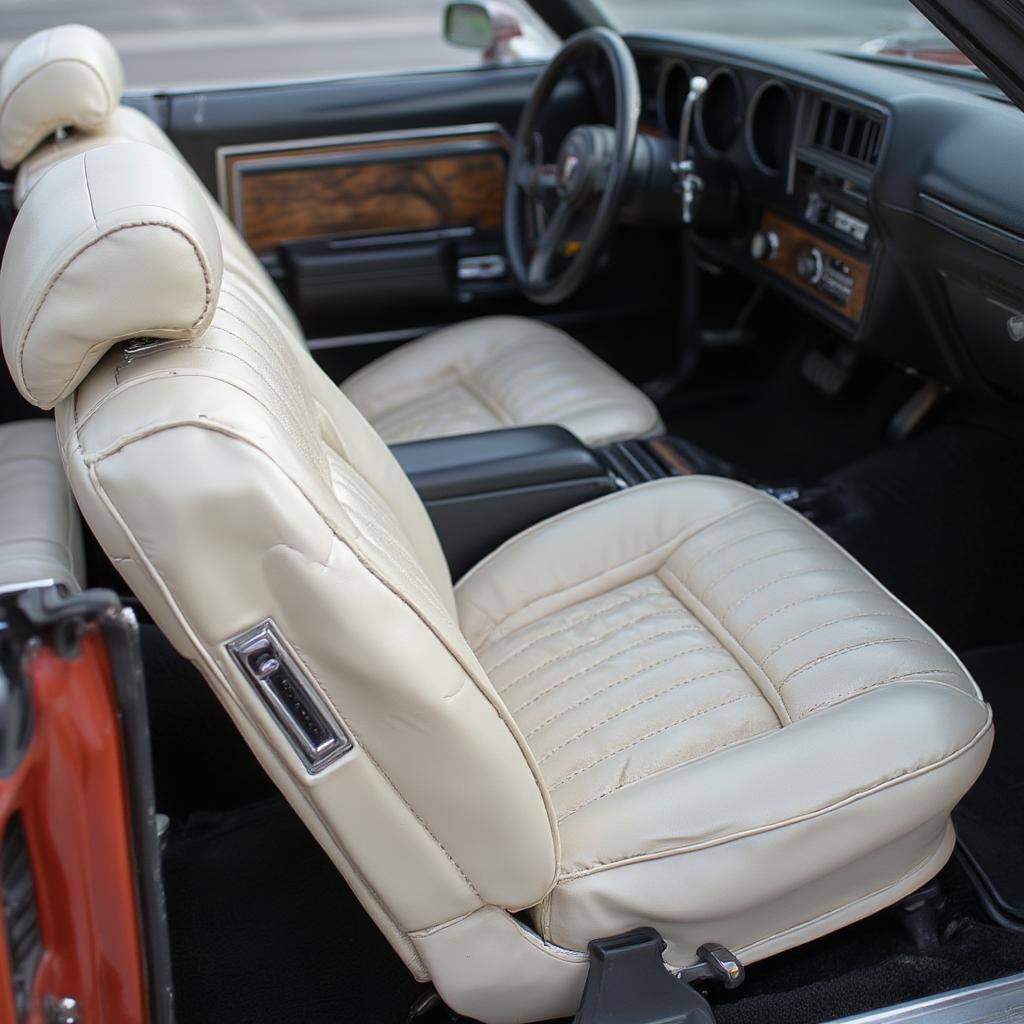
(483, 25)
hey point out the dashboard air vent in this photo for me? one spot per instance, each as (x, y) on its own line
(849, 133)
(21, 913)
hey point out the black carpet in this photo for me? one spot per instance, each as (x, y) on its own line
(265, 931)
(937, 520)
(874, 964)
(754, 409)
(990, 819)
(263, 928)
(200, 761)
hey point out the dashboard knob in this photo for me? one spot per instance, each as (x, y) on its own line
(810, 265)
(764, 245)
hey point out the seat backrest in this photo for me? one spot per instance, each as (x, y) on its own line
(40, 535)
(60, 95)
(253, 511)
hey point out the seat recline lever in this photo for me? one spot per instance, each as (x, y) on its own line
(629, 982)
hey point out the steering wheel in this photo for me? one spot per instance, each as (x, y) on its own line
(557, 216)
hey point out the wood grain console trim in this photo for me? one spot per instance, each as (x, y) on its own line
(365, 184)
(793, 239)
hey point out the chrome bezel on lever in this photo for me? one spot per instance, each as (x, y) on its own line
(308, 723)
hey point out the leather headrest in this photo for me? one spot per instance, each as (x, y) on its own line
(112, 244)
(64, 77)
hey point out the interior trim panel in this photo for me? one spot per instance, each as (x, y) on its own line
(365, 184)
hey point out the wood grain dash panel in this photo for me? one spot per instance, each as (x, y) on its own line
(364, 189)
(792, 240)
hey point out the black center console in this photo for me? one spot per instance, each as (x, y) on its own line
(481, 489)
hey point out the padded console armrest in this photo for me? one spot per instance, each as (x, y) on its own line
(481, 489)
(445, 467)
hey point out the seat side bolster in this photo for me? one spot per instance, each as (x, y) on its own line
(867, 824)
(850, 753)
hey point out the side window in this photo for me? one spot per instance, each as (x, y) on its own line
(195, 43)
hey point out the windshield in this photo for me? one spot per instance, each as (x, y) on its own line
(889, 28)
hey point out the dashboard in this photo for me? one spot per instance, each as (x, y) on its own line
(888, 204)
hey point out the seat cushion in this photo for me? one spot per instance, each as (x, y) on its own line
(745, 737)
(40, 533)
(498, 372)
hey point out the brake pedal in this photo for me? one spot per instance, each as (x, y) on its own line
(829, 374)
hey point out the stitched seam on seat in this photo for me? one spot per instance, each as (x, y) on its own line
(734, 542)
(833, 622)
(766, 685)
(848, 650)
(796, 604)
(679, 760)
(751, 561)
(643, 739)
(631, 707)
(162, 374)
(405, 420)
(594, 641)
(362, 746)
(783, 579)
(324, 692)
(645, 668)
(489, 402)
(611, 657)
(566, 627)
(674, 541)
(916, 674)
(400, 559)
(292, 429)
(896, 780)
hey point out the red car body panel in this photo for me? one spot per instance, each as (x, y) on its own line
(69, 789)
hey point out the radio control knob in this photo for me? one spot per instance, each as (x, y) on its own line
(764, 245)
(810, 265)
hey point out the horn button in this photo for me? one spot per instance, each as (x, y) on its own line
(583, 162)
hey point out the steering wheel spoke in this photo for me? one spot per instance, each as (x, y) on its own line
(536, 180)
(551, 242)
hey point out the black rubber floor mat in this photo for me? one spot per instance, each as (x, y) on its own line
(990, 819)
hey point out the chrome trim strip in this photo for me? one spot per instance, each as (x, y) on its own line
(993, 1002)
(13, 588)
(233, 208)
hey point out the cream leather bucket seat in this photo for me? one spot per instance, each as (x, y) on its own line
(483, 374)
(680, 706)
